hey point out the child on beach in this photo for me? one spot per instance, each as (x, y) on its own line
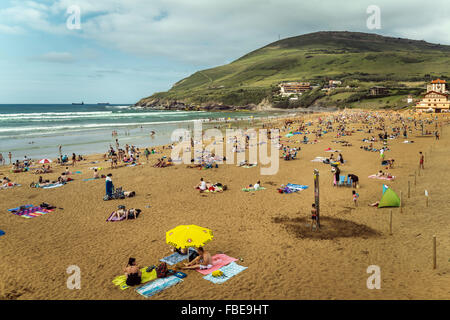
(355, 197)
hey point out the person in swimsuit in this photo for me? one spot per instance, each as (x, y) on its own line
(133, 273)
(202, 262)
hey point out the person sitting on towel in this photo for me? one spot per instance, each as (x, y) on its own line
(257, 185)
(202, 262)
(95, 174)
(133, 273)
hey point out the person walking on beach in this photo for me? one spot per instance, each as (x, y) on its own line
(60, 151)
(2, 161)
(436, 134)
(10, 157)
(146, 152)
(421, 160)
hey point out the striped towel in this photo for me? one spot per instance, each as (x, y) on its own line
(175, 258)
(228, 271)
(157, 286)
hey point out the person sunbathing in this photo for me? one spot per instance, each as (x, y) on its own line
(133, 273)
(202, 185)
(95, 176)
(202, 262)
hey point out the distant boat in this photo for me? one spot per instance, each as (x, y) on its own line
(78, 104)
(103, 103)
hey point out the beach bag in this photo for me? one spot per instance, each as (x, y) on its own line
(161, 270)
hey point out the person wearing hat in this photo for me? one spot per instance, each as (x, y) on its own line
(109, 185)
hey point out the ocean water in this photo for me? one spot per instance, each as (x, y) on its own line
(37, 130)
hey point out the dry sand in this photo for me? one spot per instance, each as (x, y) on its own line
(266, 229)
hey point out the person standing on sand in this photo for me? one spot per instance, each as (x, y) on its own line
(10, 157)
(74, 159)
(422, 159)
(436, 134)
(60, 150)
(2, 161)
(355, 197)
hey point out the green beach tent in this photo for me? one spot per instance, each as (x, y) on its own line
(389, 199)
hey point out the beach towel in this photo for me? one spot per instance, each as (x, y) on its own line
(216, 189)
(52, 185)
(219, 260)
(374, 176)
(30, 211)
(2, 233)
(114, 219)
(319, 159)
(10, 186)
(175, 258)
(296, 186)
(121, 281)
(157, 286)
(253, 189)
(90, 179)
(228, 271)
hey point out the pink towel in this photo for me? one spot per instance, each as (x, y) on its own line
(374, 176)
(218, 261)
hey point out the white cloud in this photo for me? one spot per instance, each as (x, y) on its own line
(213, 32)
(56, 57)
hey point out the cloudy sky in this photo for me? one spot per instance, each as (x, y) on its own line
(128, 49)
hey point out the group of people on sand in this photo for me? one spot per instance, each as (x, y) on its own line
(202, 261)
(204, 186)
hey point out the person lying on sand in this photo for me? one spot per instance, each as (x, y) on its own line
(202, 262)
(133, 273)
(128, 214)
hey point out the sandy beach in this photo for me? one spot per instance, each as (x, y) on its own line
(268, 231)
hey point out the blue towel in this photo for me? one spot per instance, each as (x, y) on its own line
(91, 179)
(18, 208)
(157, 286)
(2, 233)
(229, 271)
(296, 186)
(176, 257)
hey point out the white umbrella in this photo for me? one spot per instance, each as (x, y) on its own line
(45, 161)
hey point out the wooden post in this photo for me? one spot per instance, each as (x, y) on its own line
(434, 252)
(390, 223)
(401, 201)
(409, 189)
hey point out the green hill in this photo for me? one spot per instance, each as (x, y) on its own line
(358, 59)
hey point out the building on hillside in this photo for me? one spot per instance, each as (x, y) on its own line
(334, 83)
(437, 98)
(289, 88)
(379, 91)
(437, 85)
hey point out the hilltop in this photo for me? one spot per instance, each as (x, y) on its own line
(359, 60)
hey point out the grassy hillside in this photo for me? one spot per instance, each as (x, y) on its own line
(356, 58)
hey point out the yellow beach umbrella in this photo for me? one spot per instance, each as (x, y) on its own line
(185, 236)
